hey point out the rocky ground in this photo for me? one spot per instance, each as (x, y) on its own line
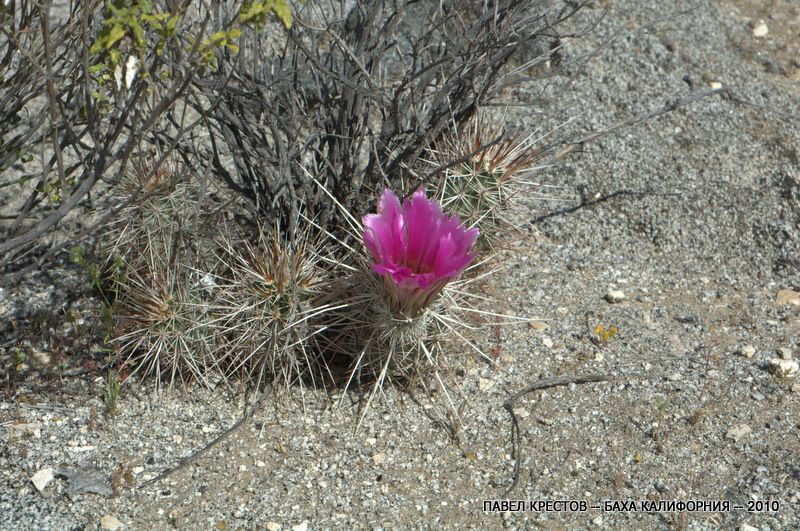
(682, 233)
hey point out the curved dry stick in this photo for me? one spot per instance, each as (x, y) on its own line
(539, 385)
(185, 461)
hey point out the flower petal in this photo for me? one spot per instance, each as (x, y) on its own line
(423, 224)
(416, 248)
(383, 236)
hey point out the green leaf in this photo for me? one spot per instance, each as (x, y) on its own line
(96, 69)
(138, 33)
(283, 13)
(115, 56)
(76, 255)
(252, 12)
(218, 39)
(171, 23)
(115, 33)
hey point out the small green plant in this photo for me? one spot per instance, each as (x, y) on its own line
(663, 406)
(132, 26)
(112, 392)
(603, 335)
(54, 188)
(257, 12)
(104, 281)
(20, 357)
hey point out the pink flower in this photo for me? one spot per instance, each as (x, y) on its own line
(417, 249)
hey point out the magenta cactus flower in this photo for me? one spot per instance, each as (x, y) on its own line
(416, 248)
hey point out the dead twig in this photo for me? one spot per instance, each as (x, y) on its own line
(186, 461)
(540, 385)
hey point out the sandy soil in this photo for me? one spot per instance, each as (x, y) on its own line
(694, 217)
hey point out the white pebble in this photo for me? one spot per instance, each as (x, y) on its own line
(41, 478)
(738, 431)
(614, 296)
(760, 29)
(784, 368)
(110, 523)
(748, 351)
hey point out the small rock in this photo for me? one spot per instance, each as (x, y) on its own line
(371, 441)
(675, 376)
(796, 387)
(242, 468)
(538, 325)
(86, 480)
(111, 523)
(562, 311)
(137, 470)
(785, 353)
(26, 428)
(379, 458)
(784, 368)
(738, 431)
(41, 478)
(748, 351)
(41, 359)
(273, 526)
(599, 356)
(521, 412)
(301, 527)
(746, 527)
(598, 521)
(547, 342)
(760, 29)
(788, 296)
(260, 464)
(614, 296)
(485, 384)
(714, 86)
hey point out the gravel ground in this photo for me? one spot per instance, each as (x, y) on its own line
(683, 233)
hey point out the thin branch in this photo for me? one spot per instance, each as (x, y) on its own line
(540, 385)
